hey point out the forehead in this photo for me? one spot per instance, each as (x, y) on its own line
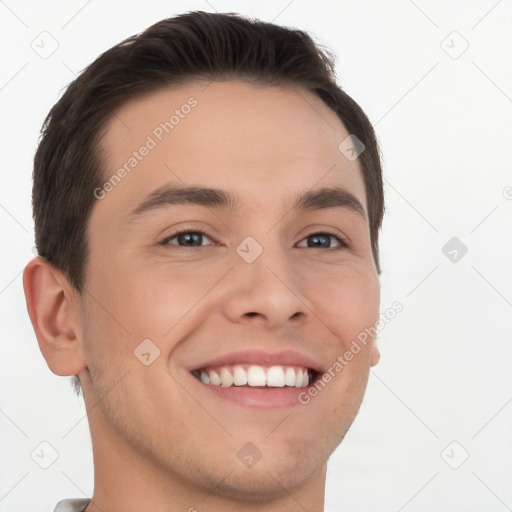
(267, 144)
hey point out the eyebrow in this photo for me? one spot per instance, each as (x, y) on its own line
(168, 195)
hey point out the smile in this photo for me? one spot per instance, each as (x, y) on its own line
(277, 376)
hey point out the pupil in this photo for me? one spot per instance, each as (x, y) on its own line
(190, 239)
(319, 241)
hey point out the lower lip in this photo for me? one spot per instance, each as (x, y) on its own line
(257, 398)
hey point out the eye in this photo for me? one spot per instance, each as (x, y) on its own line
(322, 241)
(187, 239)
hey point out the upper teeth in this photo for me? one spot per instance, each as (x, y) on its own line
(239, 375)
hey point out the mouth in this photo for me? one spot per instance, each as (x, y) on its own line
(256, 379)
(256, 376)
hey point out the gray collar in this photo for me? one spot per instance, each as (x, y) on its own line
(73, 505)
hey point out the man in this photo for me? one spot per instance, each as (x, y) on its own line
(207, 204)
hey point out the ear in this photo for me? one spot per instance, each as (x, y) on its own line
(54, 309)
(374, 352)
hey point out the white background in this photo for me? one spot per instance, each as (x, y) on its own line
(445, 128)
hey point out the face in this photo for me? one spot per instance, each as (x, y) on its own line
(266, 278)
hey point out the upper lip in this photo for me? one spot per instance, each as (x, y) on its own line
(262, 358)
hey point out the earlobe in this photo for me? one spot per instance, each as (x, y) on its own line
(52, 307)
(375, 354)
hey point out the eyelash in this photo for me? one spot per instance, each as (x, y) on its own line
(342, 241)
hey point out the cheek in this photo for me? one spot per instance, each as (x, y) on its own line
(150, 300)
(345, 299)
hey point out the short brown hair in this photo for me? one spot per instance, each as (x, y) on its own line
(173, 52)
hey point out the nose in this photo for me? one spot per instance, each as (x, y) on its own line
(266, 292)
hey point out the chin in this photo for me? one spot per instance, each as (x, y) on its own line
(273, 476)
(257, 485)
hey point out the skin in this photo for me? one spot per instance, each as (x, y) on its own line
(158, 445)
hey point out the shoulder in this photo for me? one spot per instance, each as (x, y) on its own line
(72, 505)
